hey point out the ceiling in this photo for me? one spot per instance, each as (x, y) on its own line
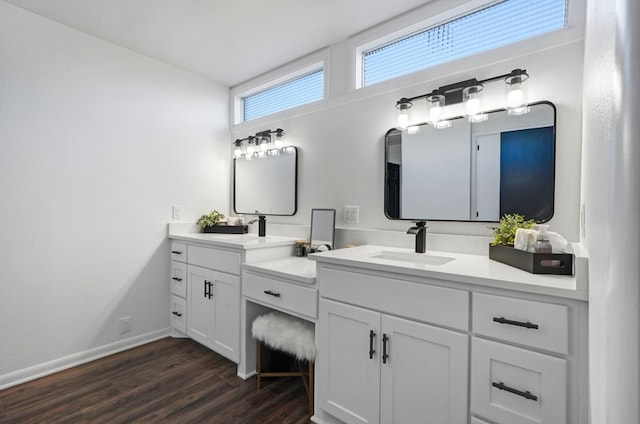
(228, 41)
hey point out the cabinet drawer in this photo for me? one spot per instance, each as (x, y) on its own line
(178, 311)
(178, 279)
(537, 324)
(282, 295)
(218, 259)
(517, 386)
(178, 251)
(418, 301)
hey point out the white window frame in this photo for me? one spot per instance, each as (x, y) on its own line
(440, 12)
(278, 76)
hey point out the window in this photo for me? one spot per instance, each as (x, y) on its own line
(296, 91)
(481, 30)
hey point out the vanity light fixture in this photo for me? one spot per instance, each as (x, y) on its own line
(469, 92)
(260, 145)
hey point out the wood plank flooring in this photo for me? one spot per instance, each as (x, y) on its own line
(168, 381)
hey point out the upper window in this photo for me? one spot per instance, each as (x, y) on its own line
(296, 91)
(481, 30)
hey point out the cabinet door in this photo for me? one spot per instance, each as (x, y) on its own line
(424, 374)
(199, 325)
(349, 362)
(225, 335)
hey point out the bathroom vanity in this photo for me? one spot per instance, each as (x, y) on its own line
(206, 284)
(455, 338)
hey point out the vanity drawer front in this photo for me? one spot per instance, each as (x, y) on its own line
(218, 259)
(515, 320)
(178, 251)
(178, 313)
(517, 386)
(418, 301)
(178, 279)
(283, 296)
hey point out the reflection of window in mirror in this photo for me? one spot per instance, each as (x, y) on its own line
(323, 223)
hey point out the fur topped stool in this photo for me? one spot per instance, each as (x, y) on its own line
(291, 335)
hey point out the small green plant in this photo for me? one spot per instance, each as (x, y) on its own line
(209, 220)
(506, 233)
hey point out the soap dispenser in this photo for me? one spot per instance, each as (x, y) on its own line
(543, 245)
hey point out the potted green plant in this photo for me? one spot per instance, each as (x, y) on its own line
(505, 234)
(207, 221)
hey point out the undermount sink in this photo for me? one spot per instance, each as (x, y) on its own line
(410, 257)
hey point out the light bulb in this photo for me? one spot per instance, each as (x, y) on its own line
(403, 117)
(250, 148)
(516, 92)
(515, 98)
(264, 145)
(237, 152)
(403, 120)
(278, 143)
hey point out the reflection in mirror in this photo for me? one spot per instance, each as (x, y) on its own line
(266, 185)
(473, 171)
(323, 224)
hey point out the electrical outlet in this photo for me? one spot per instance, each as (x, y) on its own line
(176, 212)
(125, 325)
(351, 214)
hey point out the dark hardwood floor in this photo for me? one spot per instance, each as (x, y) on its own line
(168, 381)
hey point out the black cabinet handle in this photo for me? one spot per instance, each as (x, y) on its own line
(372, 351)
(272, 293)
(385, 339)
(526, 395)
(527, 324)
(177, 252)
(178, 314)
(208, 285)
(176, 279)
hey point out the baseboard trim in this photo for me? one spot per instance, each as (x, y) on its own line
(31, 373)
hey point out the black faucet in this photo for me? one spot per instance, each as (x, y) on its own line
(262, 226)
(420, 230)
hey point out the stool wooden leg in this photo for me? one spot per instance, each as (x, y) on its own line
(310, 392)
(258, 362)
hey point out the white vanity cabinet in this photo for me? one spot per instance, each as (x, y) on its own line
(376, 368)
(380, 358)
(205, 281)
(470, 341)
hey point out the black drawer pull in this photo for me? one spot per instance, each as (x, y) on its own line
(372, 351)
(176, 252)
(527, 324)
(176, 279)
(272, 293)
(385, 356)
(526, 395)
(178, 314)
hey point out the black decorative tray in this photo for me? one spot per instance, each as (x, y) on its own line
(535, 263)
(227, 229)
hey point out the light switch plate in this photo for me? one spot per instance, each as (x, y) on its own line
(351, 214)
(176, 212)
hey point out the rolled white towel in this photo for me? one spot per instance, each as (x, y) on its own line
(525, 239)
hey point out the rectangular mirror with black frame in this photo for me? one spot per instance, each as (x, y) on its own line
(473, 171)
(267, 184)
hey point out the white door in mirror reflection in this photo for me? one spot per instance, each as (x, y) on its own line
(267, 185)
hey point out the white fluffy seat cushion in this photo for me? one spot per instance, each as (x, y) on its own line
(286, 333)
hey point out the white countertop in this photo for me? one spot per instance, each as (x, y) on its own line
(294, 268)
(234, 241)
(471, 269)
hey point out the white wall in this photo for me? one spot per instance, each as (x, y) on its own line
(96, 144)
(611, 197)
(341, 139)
